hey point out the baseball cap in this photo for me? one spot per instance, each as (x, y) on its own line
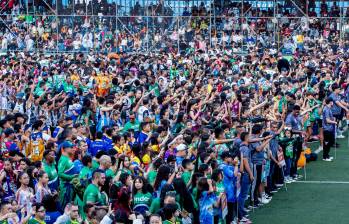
(66, 144)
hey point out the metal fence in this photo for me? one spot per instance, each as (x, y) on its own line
(103, 27)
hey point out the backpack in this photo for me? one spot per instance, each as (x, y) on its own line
(79, 186)
(36, 147)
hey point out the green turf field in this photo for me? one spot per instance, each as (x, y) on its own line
(320, 199)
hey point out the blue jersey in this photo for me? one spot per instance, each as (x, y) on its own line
(108, 142)
(142, 137)
(229, 182)
(206, 205)
(96, 146)
(55, 132)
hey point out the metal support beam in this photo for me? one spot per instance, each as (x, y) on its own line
(297, 6)
(5, 23)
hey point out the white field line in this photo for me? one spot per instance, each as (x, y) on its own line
(322, 182)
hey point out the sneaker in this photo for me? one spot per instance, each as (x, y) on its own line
(256, 205)
(273, 191)
(269, 194)
(268, 197)
(288, 180)
(340, 136)
(320, 148)
(263, 200)
(331, 157)
(297, 177)
(279, 185)
(245, 220)
(327, 160)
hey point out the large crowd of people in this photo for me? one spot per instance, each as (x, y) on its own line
(190, 133)
(155, 27)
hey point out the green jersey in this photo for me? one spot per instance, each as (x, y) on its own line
(220, 188)
(142, 201)
(155, 205)
(35, 221)
(58, 81)
(93, 195)
(68, 88)
(314, 114)
(109, 173)
(65, 164)
(186, 177)
(52, 174)
(135, 126)
(156, 89)
(95, 165)
(152, 176)
(85, 172)
(38, 91)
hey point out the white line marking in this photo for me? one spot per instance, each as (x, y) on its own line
(322, 182)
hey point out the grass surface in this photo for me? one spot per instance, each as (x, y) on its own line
(315, 203)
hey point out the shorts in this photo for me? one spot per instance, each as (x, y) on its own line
(319, 122)
(265, 171)
(339, 116)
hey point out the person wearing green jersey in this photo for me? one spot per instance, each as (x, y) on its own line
(220, 143)
(133, 124)
(68, 86)
(86, 170)
(173, 72)
(40, 89)
(154, 86)
(153, 171)
(171, 213)
(92, 194)
(66, 172)
(187, 172)
(84, 177)
(167, 196)
(58, 79)
(141, 197)
(49, 165)
(39, 217)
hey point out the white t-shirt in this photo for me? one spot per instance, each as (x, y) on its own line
(45, 136)
(142, 113)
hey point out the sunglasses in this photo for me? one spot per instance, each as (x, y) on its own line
(171, 193)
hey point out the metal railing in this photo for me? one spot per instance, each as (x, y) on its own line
(144, 33)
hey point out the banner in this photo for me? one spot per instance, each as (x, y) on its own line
(224, 205)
